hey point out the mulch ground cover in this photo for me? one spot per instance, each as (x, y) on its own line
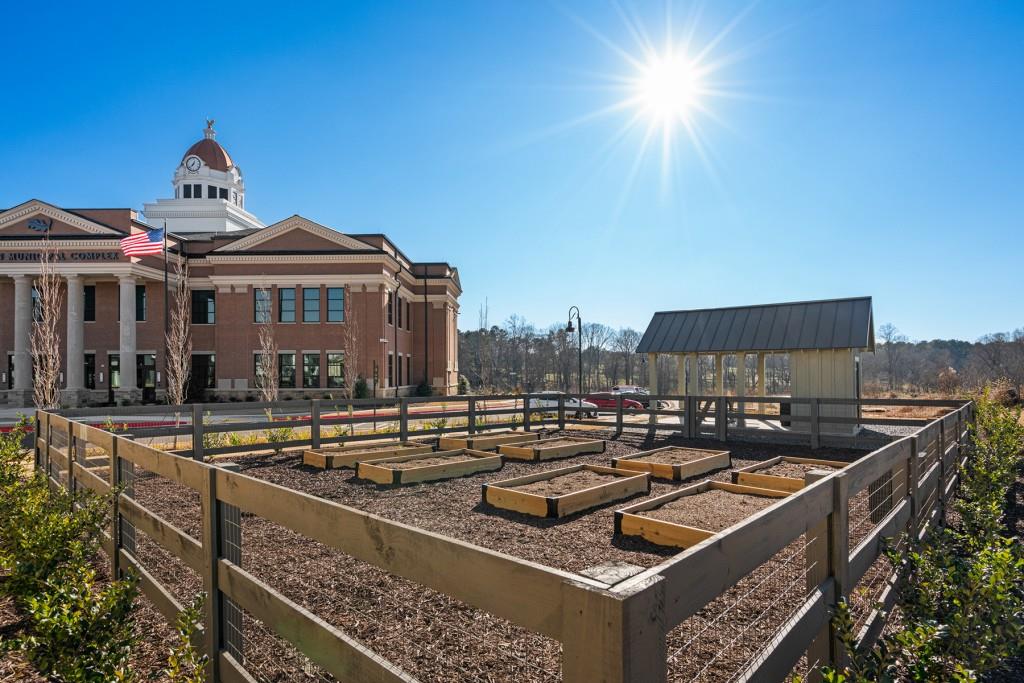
(566, 483)
(436, 638)
(676, 456)
(794, 470)
(711, 510)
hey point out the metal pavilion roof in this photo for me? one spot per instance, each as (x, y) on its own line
(802, 325)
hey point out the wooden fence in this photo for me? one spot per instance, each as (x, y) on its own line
(607, 632)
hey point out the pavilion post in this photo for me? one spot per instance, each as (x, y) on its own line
(652, 384)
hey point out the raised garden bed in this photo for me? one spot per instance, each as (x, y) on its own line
(410, 469)
(561, 492)
(485, 442)
(347, 456)
(784, 473)
(686, 517)
(548, 449)
(674, 462)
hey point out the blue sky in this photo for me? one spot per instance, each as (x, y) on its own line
(865, 148)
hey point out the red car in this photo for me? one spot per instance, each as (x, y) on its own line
(608, 401)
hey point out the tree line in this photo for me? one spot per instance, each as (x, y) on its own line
(520, 356)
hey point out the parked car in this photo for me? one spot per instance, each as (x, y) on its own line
(608, 401)
(638, 394)
(549, 401)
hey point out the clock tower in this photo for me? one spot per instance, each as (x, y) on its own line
(209, 193)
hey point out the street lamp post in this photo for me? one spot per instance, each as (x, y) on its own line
(569, 329)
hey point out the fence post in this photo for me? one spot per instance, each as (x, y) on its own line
(940, 496)
(816, 561)
(561, 412)
(815, 423)
(115, 516)
(526, 412)
(691, 417)
(314, 423)
(471, 414)
(403, 419)
(839, 554)
(197, 431)
(222, 537)
(72, 458)
(618, 415)
(614, 637)
(721, 418)
(912, 487)
(126, 479)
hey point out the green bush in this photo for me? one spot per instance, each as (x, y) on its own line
(962, 605)
(361, 389)
(184, 663)
(81, 632)
(424, 389)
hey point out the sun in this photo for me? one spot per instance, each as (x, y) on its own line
(668, 88)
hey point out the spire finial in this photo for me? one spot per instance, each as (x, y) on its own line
(209, 133)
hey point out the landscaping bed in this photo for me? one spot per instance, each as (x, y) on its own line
(408, 469)
(562, 492)
(348, 455)
(674, 462)
(548, 449)
(435, 637)
(785, 473)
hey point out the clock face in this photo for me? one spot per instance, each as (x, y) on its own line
(193, 163)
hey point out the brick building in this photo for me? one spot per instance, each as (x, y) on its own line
(307, 280)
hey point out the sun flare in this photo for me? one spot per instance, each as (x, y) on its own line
(668, 88)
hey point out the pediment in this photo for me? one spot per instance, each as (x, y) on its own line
(35, 218)
(295, 234)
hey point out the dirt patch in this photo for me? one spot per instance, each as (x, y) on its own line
(674, 456)
(557, 443)
(423, 462)
(713, 510)
(368, 449)
(566, 483)
(793, 470)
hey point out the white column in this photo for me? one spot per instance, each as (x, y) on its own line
(22, 332)
(652, 373)
(719, 374)
(127, 346)
(76, 334)
(761, 378)
(694, 389)
(741, 385)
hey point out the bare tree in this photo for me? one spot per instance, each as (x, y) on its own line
(893, 341)
(350, 347)
(179, 338)
(266, 364)
(44, 342)
(625, 344)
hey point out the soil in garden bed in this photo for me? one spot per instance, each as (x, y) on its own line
(712, 510)
(423, 462)
(566, 483)
(793, 470)
(556, 443)
(367, 449)
(674, 456)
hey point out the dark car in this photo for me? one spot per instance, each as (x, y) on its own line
(606, 400)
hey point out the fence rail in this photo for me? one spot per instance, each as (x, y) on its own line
(613, 633)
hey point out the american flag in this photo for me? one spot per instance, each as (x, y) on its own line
(144, 243)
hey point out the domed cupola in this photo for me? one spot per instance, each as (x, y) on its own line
(209, 151)
(209, 193)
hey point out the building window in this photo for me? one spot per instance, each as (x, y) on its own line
(399, 311)
(261, 298)
(408, 369)
(205, 371)
(286, 370)
(399, 369)
(391, 308)
(90, 371)
(335, 304)
(197, 191)
(408, 316)
(203, 304)
(224, 193)
(114, 361)
(37, 308)
(286, 305)
(310, 370)
(140, 303)
(187, 191)
(89, 312)
(335, 370)
(310, 304)
(391, 370)
(211, 192)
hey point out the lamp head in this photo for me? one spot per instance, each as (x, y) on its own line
(569, 328)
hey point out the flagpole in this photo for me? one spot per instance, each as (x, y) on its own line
(166, 307)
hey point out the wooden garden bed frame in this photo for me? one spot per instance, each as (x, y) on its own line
(346, 456)
(537, 450)
(378, 471)
(608, 632)
(751, 476)
(486, 442)
(629, 523)
(503, 494)
(677, 471)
